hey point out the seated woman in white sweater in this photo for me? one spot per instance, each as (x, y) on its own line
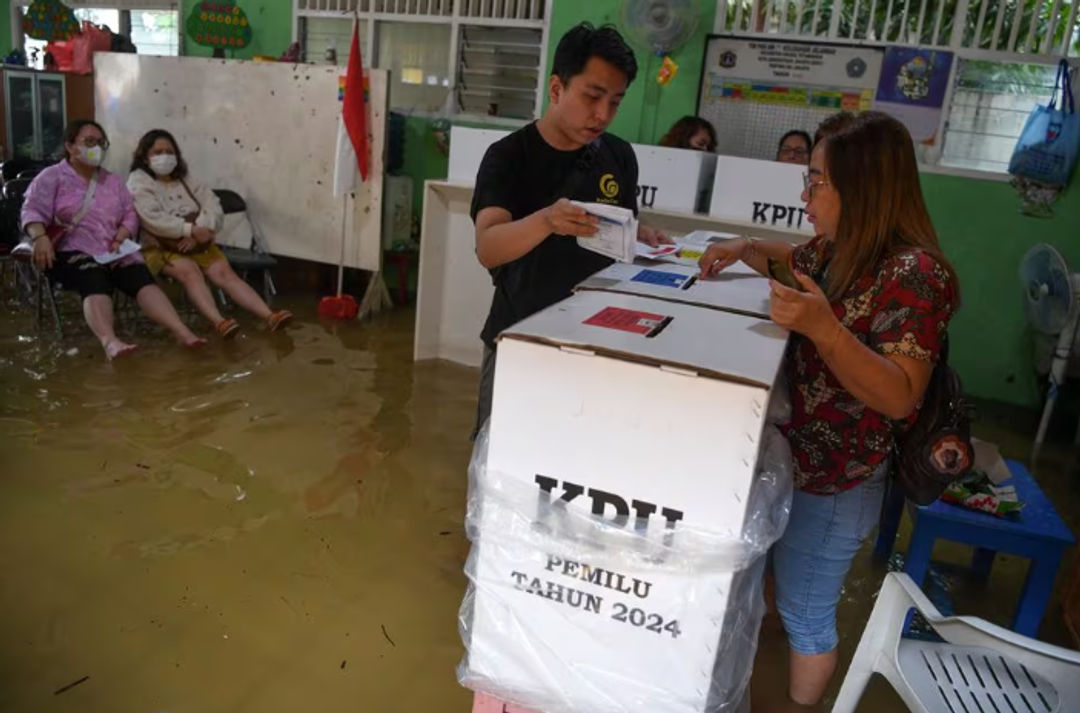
(179, 218)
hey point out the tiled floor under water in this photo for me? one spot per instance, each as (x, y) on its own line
(275, 524)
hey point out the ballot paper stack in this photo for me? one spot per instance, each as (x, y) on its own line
(616, 234)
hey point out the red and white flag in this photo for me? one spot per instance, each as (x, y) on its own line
(352, 139)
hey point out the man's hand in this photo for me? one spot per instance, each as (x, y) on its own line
(653, 237)
(565, 218)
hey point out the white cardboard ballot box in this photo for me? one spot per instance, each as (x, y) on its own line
(738, 289)
(647, 416)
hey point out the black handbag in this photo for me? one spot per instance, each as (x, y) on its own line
(937, 449)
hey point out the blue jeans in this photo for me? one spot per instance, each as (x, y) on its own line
(812, 558)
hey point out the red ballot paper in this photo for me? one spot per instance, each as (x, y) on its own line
(628, 320)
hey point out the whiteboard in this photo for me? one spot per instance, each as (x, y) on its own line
(756, 90)
(266, 130)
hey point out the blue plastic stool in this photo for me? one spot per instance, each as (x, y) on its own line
(1038, 534)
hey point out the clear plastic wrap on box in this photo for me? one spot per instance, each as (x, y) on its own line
(667, 587)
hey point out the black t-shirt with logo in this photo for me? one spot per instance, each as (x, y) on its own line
(522, 173)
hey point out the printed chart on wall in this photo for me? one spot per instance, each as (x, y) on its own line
(755, 91)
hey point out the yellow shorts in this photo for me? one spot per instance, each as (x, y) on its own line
(158, 258)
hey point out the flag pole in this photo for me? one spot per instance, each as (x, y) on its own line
(341, 263)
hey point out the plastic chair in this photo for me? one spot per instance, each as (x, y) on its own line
(980, 668)
(254, 257)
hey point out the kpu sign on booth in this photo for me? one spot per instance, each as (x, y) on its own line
(764, 192)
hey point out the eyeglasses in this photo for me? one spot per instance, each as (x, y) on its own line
(91, 141)
(809, 185)
(794, 152)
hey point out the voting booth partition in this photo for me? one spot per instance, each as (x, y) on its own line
(678, 180)
(621, 501)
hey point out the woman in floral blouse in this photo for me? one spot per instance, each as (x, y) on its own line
(868, 325)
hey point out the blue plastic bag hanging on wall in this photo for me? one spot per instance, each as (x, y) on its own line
(1047, 148)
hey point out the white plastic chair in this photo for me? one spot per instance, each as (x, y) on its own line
(982, 668)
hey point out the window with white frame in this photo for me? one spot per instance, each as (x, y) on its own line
(498, 71)
(153, 31)
(156, 32)
(1006, 55)
(990, 103)
(468, 57)
(418, 57)
(327, 40)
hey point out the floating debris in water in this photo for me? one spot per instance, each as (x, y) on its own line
(227, 377)
(71, 685)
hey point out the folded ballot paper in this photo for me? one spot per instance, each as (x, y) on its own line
(616, 234)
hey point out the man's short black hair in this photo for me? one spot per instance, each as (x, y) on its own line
(583, 41)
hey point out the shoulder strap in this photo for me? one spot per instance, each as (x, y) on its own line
(1068, 104)
(582, 165)
(192, 195)
(84, 207)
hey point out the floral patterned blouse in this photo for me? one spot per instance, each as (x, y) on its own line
(903, 307)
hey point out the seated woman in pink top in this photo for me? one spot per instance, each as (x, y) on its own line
(76, 211)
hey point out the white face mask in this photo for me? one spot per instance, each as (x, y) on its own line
(92, 156)
(163, 164)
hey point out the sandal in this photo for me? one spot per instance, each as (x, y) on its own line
(227, 328)
(278, 319)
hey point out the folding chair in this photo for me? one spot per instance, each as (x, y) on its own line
(240, 228)
(42, 289)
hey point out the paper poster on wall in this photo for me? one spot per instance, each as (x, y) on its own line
(758, 90)
(795, 63)
(912, 88)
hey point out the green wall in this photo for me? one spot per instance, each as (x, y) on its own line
(271, 29)
(985, 236)
(5, 27)
(648, 109)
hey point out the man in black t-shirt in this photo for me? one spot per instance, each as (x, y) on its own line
(526, 226)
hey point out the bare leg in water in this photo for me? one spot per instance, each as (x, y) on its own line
(241, 292)
(98, 311)
(158, 308)
(190, 276)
